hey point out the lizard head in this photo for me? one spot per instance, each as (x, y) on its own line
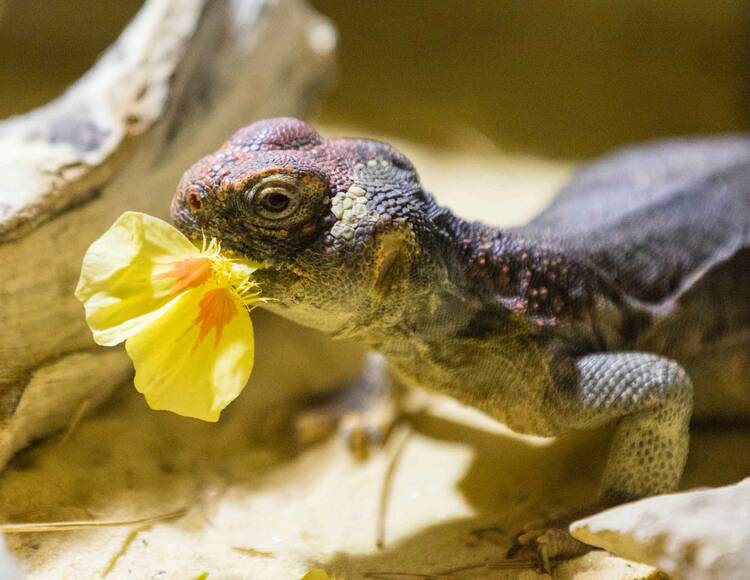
(333, 222)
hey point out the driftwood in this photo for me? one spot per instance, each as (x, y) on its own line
(701, 534)
(180, 79)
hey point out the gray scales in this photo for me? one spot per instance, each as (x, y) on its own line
(626, 300)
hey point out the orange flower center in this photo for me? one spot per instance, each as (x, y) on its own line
(217, 309)
(188, 273)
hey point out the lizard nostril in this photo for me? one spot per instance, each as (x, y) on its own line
(195, 201)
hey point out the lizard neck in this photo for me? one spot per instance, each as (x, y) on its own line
(503, 269)
(463, 278)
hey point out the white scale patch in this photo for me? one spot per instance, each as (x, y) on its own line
(349, 207)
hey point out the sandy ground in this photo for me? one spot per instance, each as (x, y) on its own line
(259, 506)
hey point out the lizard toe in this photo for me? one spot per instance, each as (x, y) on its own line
(547, 542)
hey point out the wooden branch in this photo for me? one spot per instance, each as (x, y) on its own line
(181, 78)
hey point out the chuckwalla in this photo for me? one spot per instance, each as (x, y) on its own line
(627, 300)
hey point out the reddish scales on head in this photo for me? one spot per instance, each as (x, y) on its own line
(317, 210)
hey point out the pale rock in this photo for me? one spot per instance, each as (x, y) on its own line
(8, 566)
(696, 535)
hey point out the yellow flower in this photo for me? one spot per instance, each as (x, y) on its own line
(182, 312)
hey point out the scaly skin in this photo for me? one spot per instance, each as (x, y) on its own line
(560, 325)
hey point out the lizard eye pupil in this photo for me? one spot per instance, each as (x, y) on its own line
(276, 202)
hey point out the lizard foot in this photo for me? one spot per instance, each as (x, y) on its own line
(363, 411)
(548, 541)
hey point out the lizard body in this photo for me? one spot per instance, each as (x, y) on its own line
(589, 314)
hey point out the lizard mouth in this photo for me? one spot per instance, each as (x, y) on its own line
(276, 281)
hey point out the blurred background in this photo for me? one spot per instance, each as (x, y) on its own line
(562, 80)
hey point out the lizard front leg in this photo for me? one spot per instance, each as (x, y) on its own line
(363, 410)
(651, 399)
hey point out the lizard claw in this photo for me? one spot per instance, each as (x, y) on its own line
(363, 412)
(548, 544)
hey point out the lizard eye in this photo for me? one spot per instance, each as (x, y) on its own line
(275, 199)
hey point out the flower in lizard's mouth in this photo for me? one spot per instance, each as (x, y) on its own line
(181, 311)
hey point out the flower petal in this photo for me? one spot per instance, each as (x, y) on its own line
(124, 278)
(197, 356)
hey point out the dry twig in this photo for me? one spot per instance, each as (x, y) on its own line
(253, 552)
(129, 539)
(65, 526)
(385, 492)
(75, 420)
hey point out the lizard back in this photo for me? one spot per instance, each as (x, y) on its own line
(654, 220)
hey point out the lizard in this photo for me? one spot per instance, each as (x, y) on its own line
(624, 302)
